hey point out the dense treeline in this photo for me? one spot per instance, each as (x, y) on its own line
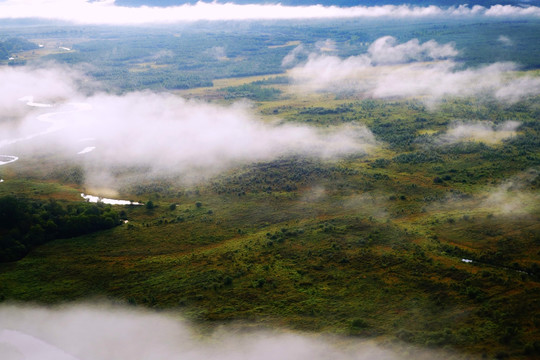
(326, 111)
(253, 92)
(276, 80)
(13, 45)
(4, 55)
(28, 223)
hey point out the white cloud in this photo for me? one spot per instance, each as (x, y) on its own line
(106, 12)
(518, 88)
(363, 72)
(217, 52)
(425, 69)
(386, 50)
(439, 79)
(164, 133)
(509, 11)
(505, 40)
(327, 45)
(483, 131)
(292, 57)
(327, 72)
(93, 332)
(512, 197)
(45, 84)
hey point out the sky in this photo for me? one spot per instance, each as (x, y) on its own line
(108, 12)
(344, 3)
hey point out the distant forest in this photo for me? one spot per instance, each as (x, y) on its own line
(186, 57)
(14, 45)
(26, 223)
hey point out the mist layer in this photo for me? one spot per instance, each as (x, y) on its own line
(165, 134)
(93, 332)
(411, 69)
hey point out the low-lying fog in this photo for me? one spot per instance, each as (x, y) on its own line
(159, 132)
(512, 197)
(105, 332)
(392, 69)
(483, 131)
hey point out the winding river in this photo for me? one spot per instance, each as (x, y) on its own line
(57, 124)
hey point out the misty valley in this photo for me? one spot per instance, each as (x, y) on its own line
(325, 187)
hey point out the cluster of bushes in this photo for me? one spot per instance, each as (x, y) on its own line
(276, 80)
(280, 175)
(27, 223)
(398, 134)
(253, 92)
(317, 110)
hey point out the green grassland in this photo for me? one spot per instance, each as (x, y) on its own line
(370, 245)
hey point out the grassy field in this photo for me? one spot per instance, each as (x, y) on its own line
(430, 243)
